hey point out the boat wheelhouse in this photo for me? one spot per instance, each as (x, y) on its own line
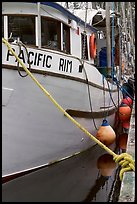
(51, 27)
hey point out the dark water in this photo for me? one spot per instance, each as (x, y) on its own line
(77, 179)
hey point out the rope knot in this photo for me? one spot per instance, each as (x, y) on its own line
(126, 162)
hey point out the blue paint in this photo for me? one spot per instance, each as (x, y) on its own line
(105, 123)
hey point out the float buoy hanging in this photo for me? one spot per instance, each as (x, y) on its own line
(106, 165)
(123, 141)
(106, 134)
(92, 46)
(124, 112)
(126, 125)
(127, 100)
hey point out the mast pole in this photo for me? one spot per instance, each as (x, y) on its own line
(108, 41)
(119, 22)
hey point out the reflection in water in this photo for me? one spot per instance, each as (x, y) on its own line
(76, 179)
(106, 164)
(100, 182)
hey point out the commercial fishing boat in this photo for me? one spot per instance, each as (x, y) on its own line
(61, 51)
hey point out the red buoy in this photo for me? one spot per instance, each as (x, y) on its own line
(106, 134)
(126, 124)
(106, 164)
(123, 141)
(124, 112)
(127, 100)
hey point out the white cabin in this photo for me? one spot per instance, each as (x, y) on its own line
(47, 25)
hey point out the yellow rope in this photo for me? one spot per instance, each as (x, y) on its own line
(127, 164)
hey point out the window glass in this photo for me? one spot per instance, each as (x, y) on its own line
(50, 33)
(22, 27)
(66, 38)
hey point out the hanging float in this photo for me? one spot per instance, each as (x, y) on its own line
(124, 112)
(126, 125)
(123, 141)
(106, 134)
(127, 100)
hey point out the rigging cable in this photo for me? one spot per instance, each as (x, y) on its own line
(103, 92)
(19, 71)
(84, 57)
(90, 103)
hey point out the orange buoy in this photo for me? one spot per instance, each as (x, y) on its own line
(92, 46)
(124, 112)
(126, 124)
(106, 164)
(123, 141)
(106, 134)
(127, 100)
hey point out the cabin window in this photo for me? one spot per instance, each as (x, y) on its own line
(84, 47)
(66, 39)
(22, 27)
(2, 26)
(50, 33)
